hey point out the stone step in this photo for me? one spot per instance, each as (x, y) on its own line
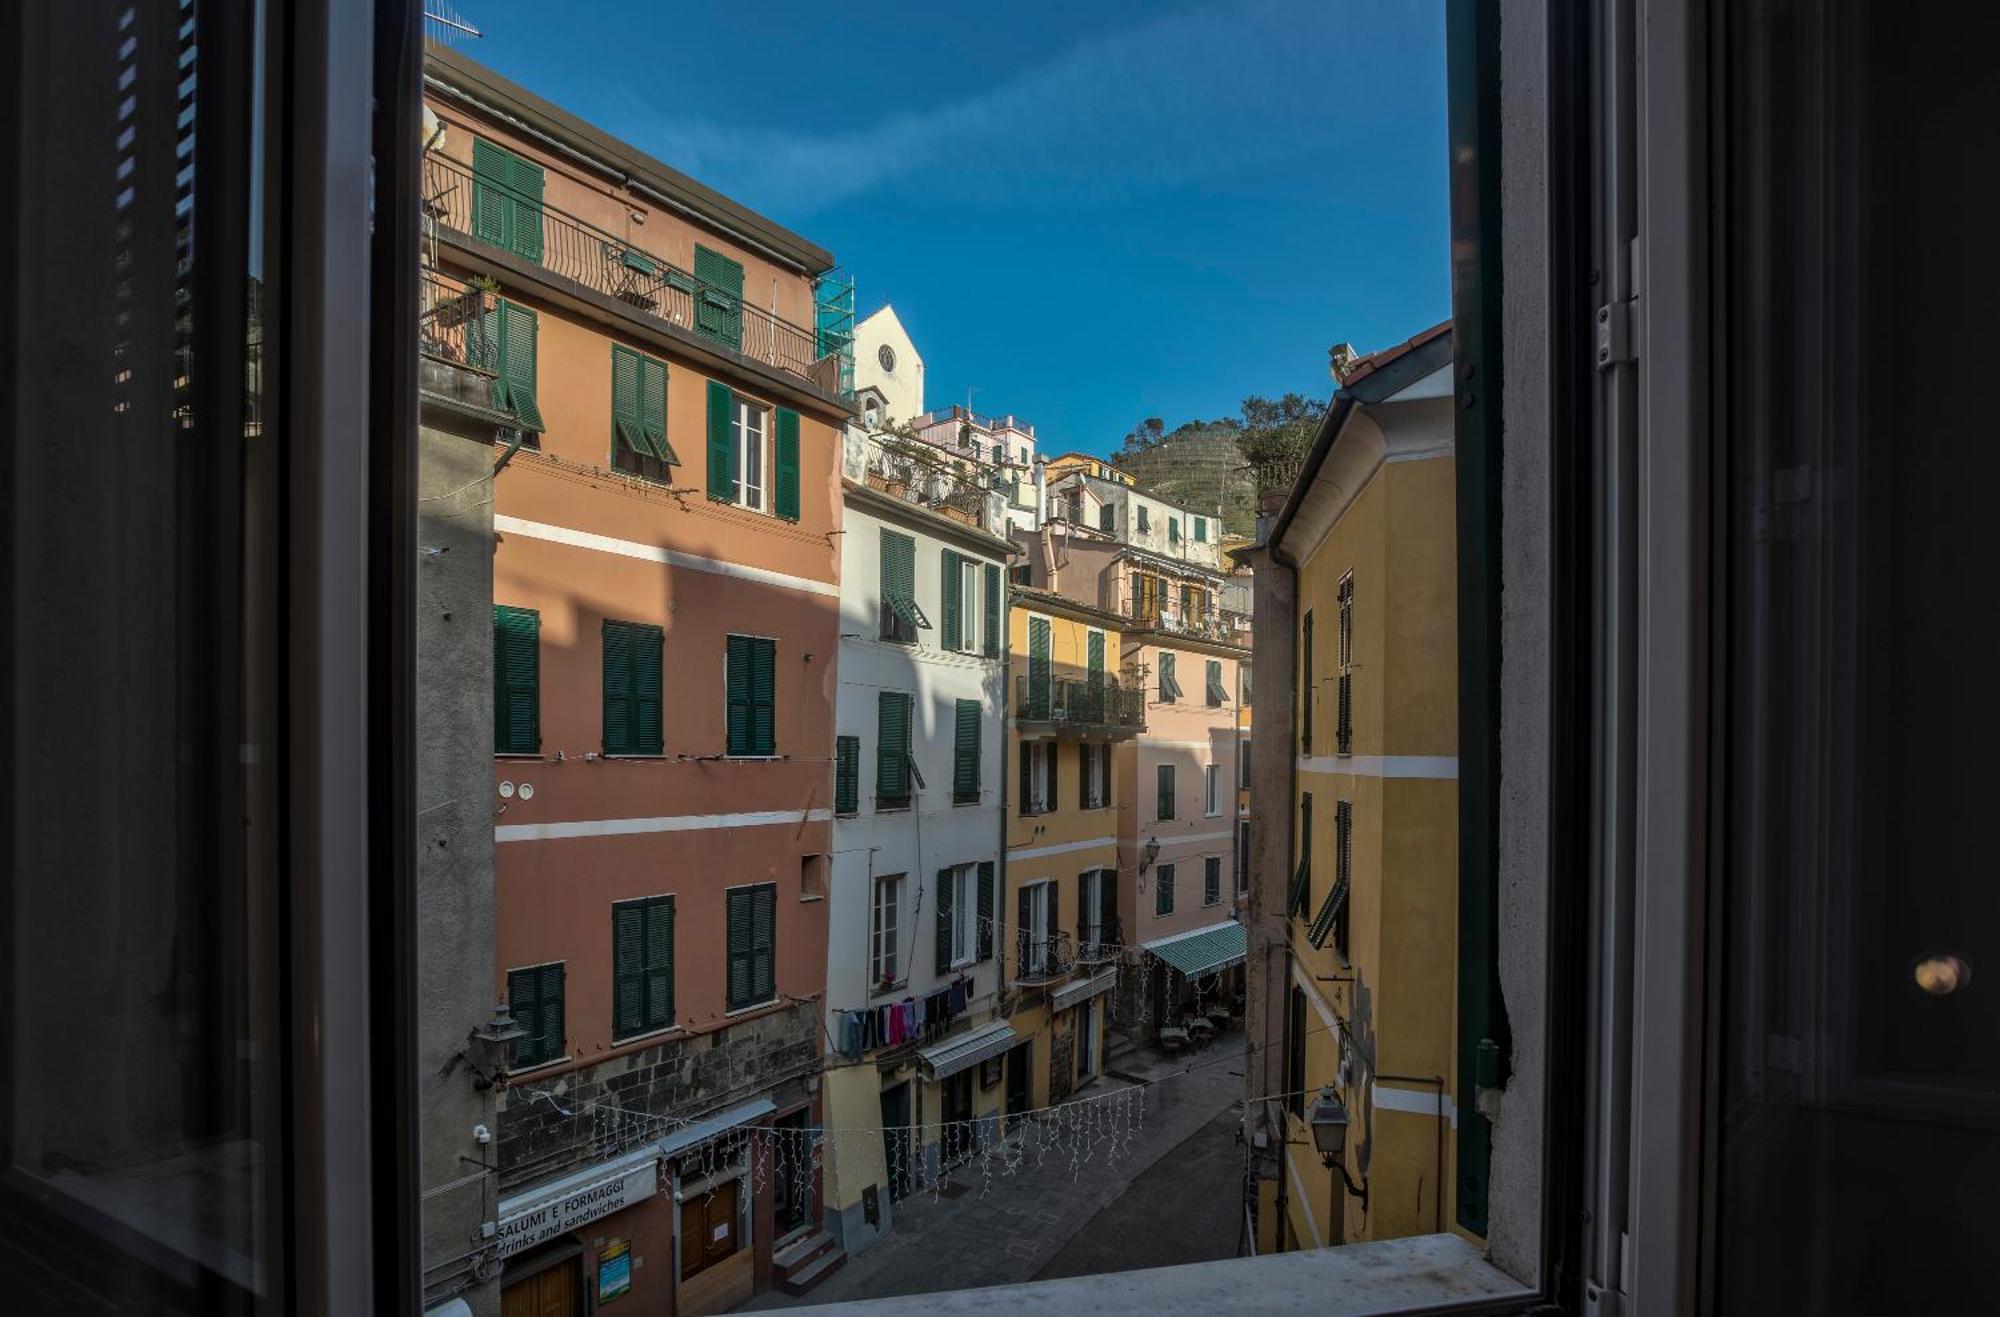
(798, 1282)
(801, 1251)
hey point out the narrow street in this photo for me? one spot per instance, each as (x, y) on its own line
(1178, 1199)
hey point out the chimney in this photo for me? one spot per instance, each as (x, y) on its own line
(1340, 359)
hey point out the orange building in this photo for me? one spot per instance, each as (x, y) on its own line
(666, 591)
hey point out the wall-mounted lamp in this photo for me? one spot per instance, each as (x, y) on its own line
(1151, 853)
(1329, 1129)
(490, 1044)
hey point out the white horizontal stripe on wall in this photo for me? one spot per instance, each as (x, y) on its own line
(583, 539)
(1439, 767)
(1062, 848)
(665, 823)
(1166, 841)
(1417, 1101)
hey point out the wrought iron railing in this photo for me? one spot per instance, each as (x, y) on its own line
(1100, 944)
(617, 267)
(1208, 623)
(1042, 960)
(916, 473)
(455, 322)
(1080, 701)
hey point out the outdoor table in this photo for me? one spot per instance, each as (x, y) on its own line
(1172, 1037)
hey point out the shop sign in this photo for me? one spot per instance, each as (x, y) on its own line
(556, 1209)
(614, 1270)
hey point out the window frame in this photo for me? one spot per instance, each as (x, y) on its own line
(1165, 788)
(884, 934)
(741, 462)
(751, 703)
(647, 1024)
(1211, 786)
(1211, 880)
(1164, 876)
(964, 916)
(559, 1051)
(641, 634)
(752, 1000)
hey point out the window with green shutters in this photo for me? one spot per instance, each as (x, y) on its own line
(785, 465)
(753, 945)
(1211, 880)
(718, 296)
(901, 617)
(1107, 518)
(1343, 725)
(721, 442)
(1201, 530)
(507, 200)
(1163, 889)
(892, 750)
(965, 754)
(1170, 686)
(1093, 678)
(1218, 694)
(994, 585)
(751, 678)
(847, 775)
(632, 688)
(951, 601)
(1166, 789)
(514, 332)
(1173, 530)
(639, 415)
(1041, 673)
(517, 681)
(535, 1000)
(642, 966)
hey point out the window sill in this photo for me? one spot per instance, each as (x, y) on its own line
(751, 759)
(965, 800)
(881, 990)
(655, 755)
(514, 1072)
(811, 896)
(751, 1009)
(648, 1036)
(520, 756)
(892, 808)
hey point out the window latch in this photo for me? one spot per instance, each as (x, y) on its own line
(1614, 334)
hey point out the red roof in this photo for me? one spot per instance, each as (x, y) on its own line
(1374, 361)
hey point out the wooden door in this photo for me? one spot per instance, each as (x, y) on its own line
(550, 1293)
(708, 1227)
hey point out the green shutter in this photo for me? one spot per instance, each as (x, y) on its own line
(1039, 672)
(899, 581)
(992, 610)
(786, 496)
(1163, 889)
(659, 982)
(653, 408)
(535, 999)
(763, 943)
(951, 605)
(1201, 530)
(625, 404)
(1211, 881)
(721, 450)
(847, 774)
(617, 688)
(648, 729)
(965, 757)
(718, 296)
(517, 697)
(944, 906)
(984, 931)
(892, 750)
(527, 180)
(737, 686)
(492, 210)
(514, 386)
(1166, 790)
(628, 968)
(741, 985)
(1093, 676)
(763, 697)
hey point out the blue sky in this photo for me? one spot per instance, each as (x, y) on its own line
(1088, 213)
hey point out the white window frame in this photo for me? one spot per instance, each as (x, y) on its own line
(1038, 775)
(1038, 928)
(884, 929)
(1091, 883)
(971, 614)
(1211, 786)
(1097, 774)
(964, 914)
(752, 485)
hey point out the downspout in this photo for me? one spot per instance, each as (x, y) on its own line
(1291, 815)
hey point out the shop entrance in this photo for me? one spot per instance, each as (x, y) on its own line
(549, 1293)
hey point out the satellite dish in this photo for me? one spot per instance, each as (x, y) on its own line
(434, 129)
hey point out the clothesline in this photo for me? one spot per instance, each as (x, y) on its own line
(912, 1019)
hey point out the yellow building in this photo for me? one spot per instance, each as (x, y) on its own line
(1090, 466)
(1367, 1014)
(1064, 930)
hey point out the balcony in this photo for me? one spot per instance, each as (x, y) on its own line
(1223, 625)
(1100, 944)
(917, 473)
(616, 267)
(455, 324)
(1104, 707)
(1040, 961)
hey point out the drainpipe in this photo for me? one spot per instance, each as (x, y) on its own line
(1276, 1000)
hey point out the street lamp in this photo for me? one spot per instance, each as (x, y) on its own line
(1329, 1129)
(1152, 853)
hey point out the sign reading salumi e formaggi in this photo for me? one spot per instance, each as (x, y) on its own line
(549, 1210)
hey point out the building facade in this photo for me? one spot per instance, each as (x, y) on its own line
(665, 623)
(913, 962)
(1361, 908)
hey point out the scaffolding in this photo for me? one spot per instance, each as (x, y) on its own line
(833, 323)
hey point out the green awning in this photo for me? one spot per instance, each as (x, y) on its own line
(1203, 951)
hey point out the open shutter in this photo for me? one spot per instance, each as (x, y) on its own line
(1093, 674)
(952, 607)
(524, 1001)
(944, 906)
(764, 943)
(1107, 900)
(1039, 671)
(628, 959)
(721, 451)
(618, 685)
(1084, 750)
(786, 496)
(1024, 931)
(736, 682)
(992, 610)
(659, 981)
(517, 726)
(549, 1023)
(763, 697)
(984, 930)
(515, 387)
(653, 408)
(1053, 791)
(625, 430)
(965, 758)
(1027, 766)
(847, 774)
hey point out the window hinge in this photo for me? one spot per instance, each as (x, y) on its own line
(1614, 334)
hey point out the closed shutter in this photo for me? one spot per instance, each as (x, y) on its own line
(1026, 751)
(1107, 901)
(1093, 676)
(1165, 784)
(514, 386)
(992, 611)
(786, 498)
(945, 896)
(628, 968)
(1211, 880)
(741, 986)
(1107, 518)
(648, 726)
(492, 209)
(763, 697)
(1052, 789)
(617, 688)
(951, 601)
(1343, 729)
(1024, 932)
(632, 688)
(1306, 684)
(1173, 530)
(653, 408)
(1040, 674)
(1163, 890)
(660, 962)
(535, 999)
(526, 181)
(736, 683)
(847, 775)
(965, 758)
(517, 695)
(899, 583)
(721, 448)
(764, 943)
(1201, 530)
(718, 298)
(983, 932)
(892, 750)
(1084, 750)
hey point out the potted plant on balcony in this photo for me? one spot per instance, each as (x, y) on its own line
(456, 310)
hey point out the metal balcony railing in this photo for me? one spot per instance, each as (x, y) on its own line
(1209, 623)
(1079, 701)
(455, 322)
(617, 267)
(1100, 944)
(1042, 960)
(917, 473)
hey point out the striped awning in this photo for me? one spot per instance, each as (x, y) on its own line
(968, 1049)
(701, 1131)
(1079, 991)
(1204, 950)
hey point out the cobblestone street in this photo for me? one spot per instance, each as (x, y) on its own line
(1178, 1199)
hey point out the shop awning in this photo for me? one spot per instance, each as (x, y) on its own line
(1082, 990)
(721, 1122)
(1203, 950)
(968, 1049)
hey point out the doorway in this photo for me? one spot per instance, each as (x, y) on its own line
(1020, 1082)
(1086, 1041)
(896, 1139)
(551, 1292)
(791, 1174)
(708, 1227)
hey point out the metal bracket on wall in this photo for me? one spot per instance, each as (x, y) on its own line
(1614, 335)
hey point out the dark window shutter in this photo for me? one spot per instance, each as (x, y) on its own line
(1163, 889)
(1027, 776)
(944, 905)
(1040, 674)
(1343, 730)
(951, 606)
(992, 611)
(648, 726)
(847, 775)
(1107, 517)
(785, 499)
(526, 180)
(517, 700)
(653, 407)
(628, 968)
(892, 750)
(617, 688)
(741, 986)
(625, 432)
(983, 933)
(736, 683)
(1165, 782)
(1107, 899)
(1053, 788)
(514, 390)
(763, 696)
(1306, 684)
(1024, 923)
(1084, 750)
(524, 1002)
(721, 448)
(718, 297)
(660, 963)
(492, 209)
(764, 943)
(1211, 880)
(965, 758)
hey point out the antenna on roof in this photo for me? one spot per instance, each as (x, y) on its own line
(443, 25)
